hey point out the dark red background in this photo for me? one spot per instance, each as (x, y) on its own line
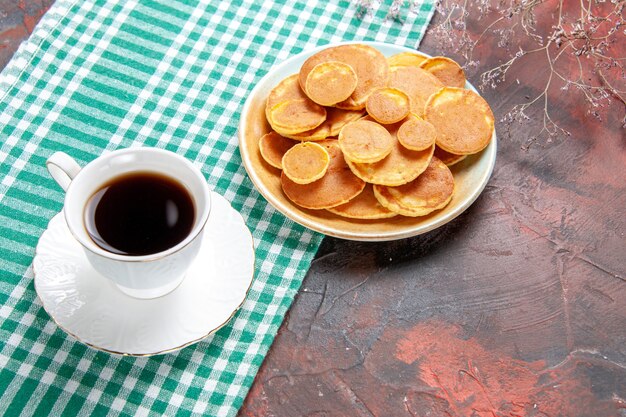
(516, 308)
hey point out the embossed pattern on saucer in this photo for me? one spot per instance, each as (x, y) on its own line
(90, 308)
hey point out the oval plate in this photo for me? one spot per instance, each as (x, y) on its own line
(470, 175)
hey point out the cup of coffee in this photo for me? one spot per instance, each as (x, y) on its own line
(138, 213)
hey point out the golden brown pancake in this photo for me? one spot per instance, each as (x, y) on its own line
(417, 83)
(388, 105)
(399, 167)
(431, 191)
(416, 133)
(330, 82)
(369, 64)
(463, 120)
(448, 158)
(338, 186)
(287, 89)
(447, 70)
(406, 59)
(365, 141)
(335, 120)
(273, 146)
(305, 162)
(296, 116)
(363, 206)
(319, 133)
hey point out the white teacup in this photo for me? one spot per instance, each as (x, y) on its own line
(145, 276)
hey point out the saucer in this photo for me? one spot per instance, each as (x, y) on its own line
(93, 310)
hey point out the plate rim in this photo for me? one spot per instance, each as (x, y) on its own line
(333, 231)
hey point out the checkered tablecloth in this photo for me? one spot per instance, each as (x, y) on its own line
(102, 75)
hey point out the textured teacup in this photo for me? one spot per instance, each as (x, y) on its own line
(145, 276)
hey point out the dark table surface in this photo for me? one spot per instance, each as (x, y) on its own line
(515, 308)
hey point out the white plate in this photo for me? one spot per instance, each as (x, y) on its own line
(471, 175)
(90, 308)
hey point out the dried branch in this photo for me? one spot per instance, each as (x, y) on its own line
(588, 38)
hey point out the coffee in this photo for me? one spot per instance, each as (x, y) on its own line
(139, 213)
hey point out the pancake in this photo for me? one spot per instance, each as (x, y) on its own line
(287, 89)
(273, 146)
(365, 141)
(448, 158)
(406, 59)
(296, 116)
(416, 133)
(431, 191)
(417, 83)
(447, 70)
(463, 120)
(319, 133)
(338, 186)
(336, 119)
(388, 105)
(369, 64)
(330, 82)
(363, 206)
(305, 162)
(399, 167)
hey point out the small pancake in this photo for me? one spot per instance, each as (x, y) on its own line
(369, 64)
(287, 89)
(417, 83)
(399, 167)
(431, 191)
(338, 186)
(305, 162)
(406, 59)
(273, 146)
(416, 133)
(319, 133)
(330, 82)
(365, 141)
(447, 70)
(296, 116)
(363, 206)
(336, 119)
(448, 158)
(388, 105)
(463, 120)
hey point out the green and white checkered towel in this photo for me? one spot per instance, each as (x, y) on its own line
(101, 75)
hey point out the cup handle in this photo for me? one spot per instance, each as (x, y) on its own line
(63, 168)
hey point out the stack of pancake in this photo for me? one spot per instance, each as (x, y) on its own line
(369, 137)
